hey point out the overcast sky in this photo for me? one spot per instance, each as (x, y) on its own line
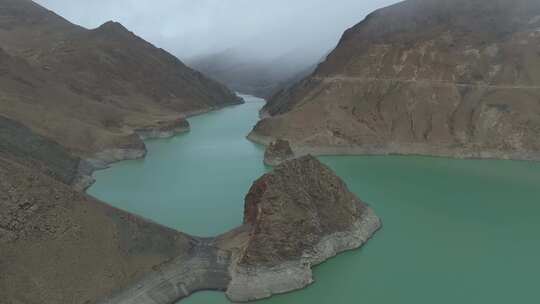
(189, 28)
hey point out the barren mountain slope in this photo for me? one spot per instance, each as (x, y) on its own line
(61, 246)
(455, 78)
(89, 89)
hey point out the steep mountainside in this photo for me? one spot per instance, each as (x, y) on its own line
(90, 89)
(58, 245)
(455, 78)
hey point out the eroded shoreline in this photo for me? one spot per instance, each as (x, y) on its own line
(401, 150)
(211, 265)
(137, 150)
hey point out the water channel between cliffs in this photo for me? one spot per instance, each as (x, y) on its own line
(455, 231)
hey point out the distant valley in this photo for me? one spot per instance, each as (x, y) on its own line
(261, 77)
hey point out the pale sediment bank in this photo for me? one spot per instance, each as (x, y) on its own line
(103, 160)
(205, 268)
(212, 264)
(417, 149)
(259, 282)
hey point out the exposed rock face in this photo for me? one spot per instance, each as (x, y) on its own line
(90, 90)
(205, 266)
(278, 152)
(450, 78)
(299, 215)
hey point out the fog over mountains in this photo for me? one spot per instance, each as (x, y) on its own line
(286, 35)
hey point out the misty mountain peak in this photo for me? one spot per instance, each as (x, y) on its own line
(113, 27)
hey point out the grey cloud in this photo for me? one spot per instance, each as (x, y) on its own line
(189, 28)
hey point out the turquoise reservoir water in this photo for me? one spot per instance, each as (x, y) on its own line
(455, 231)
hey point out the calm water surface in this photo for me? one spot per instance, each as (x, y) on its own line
(455, 231)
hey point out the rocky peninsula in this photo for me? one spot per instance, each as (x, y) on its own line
(298, 216)
(295, 217)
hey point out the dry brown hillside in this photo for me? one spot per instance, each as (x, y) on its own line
(455, 78)
(58, 245)
(90, 89)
